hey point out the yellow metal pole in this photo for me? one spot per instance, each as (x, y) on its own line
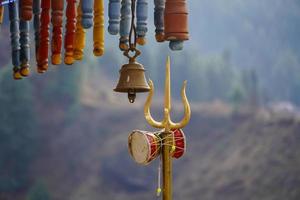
(167, 167)
(166, 157)
(99, 28)
(168, 125)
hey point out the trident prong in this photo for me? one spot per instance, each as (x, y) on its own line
(167, 123)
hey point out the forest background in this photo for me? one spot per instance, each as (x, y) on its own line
(63, 134)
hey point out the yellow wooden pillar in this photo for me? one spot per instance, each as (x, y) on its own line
(79, 42)
(98, 27)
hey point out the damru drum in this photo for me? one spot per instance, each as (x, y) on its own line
(146, 146)
(143, 146)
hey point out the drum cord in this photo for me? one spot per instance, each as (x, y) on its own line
(158, 190)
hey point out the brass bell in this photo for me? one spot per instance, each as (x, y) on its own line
(132, 80)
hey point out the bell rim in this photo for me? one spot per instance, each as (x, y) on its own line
(135, 90)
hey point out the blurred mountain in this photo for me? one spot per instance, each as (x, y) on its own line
(229, 156)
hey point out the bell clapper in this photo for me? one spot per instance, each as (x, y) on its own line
(131, 96)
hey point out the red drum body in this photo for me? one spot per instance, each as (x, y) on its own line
(179, 141)
(144, 146)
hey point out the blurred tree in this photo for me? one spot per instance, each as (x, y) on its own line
(251, 86)
(284, 79)
(237, 96)
(211, 77)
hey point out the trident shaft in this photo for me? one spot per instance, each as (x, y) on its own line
(167, 124)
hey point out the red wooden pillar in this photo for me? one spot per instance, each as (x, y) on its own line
(44, 36)
(25, 9)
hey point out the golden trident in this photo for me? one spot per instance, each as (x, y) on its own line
(167, 124)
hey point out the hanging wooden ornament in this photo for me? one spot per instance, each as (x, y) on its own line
(70, 31)
(57, 20)
(114, 7)
(44, 37)
(176, 23)
(98, 27)
(87, 13)
(79, 41)
(159, 11)
(141, 21)
(125, 24)
(15, 37)
(25, 10)
(24, 46)
(36, 26)
(1, 13)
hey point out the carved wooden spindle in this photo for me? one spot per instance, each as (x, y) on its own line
(1, 13)
(87, 13)
(70, 31)
(79, 42)
(44, 36)
(57, 20)
(159, 11)
(25, 47)
(15, 37)
(99, 28)
(141, 21)
(25, 9)
(114, 7)
(36, 25)
(176, 23)
(125, 24)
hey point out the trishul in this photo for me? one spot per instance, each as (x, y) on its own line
(167, 124)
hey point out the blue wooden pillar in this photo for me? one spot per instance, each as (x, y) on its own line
(141, 21)
(125, 24)
(24, 45)
(15, 36)
(159, 10)
(114, 7)
(36, 25)
(87, 13)
(25, 48)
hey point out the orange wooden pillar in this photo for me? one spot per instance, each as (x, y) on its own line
(1, 13)
(79, 42)
(176, 23)
(56, 19)
(70, 31)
